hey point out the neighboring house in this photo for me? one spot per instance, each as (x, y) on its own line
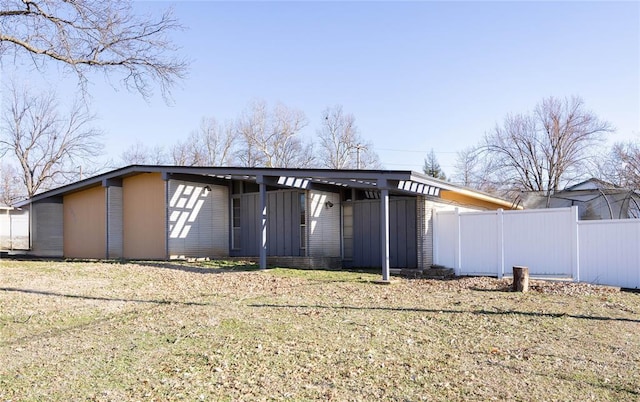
(14, 228)
(596, 199)
(299, 217)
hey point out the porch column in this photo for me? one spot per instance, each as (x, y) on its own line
(166, 176)
(384, 227)
(263, 217)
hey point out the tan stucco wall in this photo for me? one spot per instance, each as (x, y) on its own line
(144, 230)
(84, 225)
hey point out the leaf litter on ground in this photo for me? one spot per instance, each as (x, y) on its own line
(209, 331)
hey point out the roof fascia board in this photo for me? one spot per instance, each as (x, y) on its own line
(89, 182)
(350, 178)
(198, 178)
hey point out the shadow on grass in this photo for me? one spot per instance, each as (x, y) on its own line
(208, 266)
(99, 298)
(566, 377)
(213, 266)
(202, 267)
(500, 289)
(441, 311)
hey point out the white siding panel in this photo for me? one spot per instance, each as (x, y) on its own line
(324, 224)
(14, 229)
(20, 229)
(5, 230)
(198, 220)
(540, 240)
(48, 229)
(609, 252)
(115, 231)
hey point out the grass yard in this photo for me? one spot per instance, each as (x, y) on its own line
(223, 331)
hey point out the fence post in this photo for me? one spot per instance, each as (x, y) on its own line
(458, 251)
(575, 244)
(500, 223)
(435, 242)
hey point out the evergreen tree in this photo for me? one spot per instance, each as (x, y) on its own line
(432, 167)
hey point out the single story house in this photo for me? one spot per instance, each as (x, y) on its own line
(595, 199)
(295, 217)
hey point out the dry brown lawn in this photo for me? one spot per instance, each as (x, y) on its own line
(222, 331)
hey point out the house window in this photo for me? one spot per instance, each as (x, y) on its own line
(303, 221)
(235, 218)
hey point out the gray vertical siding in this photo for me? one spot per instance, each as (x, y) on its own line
(283, 223)
(249, 226)
(367, 248)
(366, 234)
(48, 229)
(403, 240)
(283, 220)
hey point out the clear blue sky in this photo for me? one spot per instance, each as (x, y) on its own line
(416, 75)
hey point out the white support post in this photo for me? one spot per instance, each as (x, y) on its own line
(500, 223)
(384, 227)
(263, 218)
(106, 221)
(166, 219)
(165, 178)
(575, 244)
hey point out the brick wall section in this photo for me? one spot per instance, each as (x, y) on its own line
(425, 232)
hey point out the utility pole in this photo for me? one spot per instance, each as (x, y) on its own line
(358, 147)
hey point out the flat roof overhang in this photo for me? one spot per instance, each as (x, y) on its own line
(401, 182)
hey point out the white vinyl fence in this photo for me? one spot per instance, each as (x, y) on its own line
(551, 242)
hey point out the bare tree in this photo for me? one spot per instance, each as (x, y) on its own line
(272, 139)
(10, 189)
(341, 146)
(211, 145)
(140, 154)
(366, 157)
(250, 127)
(547, 149)
(473, 169)
(622, 166)
(93, 35)
(339, 139)
(466, 166)
(432, 167)
(49, 147)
